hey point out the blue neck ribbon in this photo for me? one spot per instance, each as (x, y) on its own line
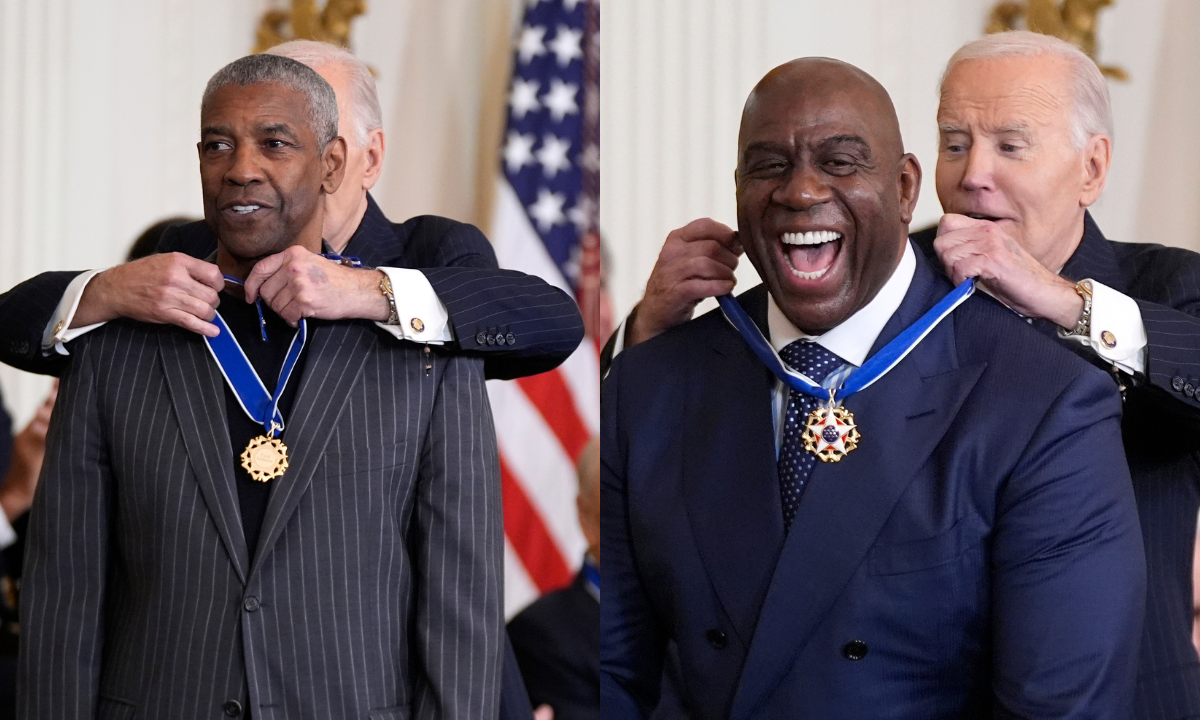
(874, 368)
(262, 407)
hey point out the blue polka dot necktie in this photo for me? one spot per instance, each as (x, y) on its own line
(795, 463)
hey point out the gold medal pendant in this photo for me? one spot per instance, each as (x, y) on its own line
(830, 432)
(265, 458)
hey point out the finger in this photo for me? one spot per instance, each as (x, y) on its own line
(698, 289)
(715, 250)
(261, 272)
(204, 273)
(737, 248)
(200, 292)
(192, 306)
(192, 323)
(706, 268)
(953, 221)
(287, 304)
(706, 228)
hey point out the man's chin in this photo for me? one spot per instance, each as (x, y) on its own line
(812, 312)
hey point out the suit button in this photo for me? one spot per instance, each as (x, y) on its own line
(500, 339)
(251, 604)
(1189, 390)
(855, 650)
(233, 708)
(512, 339)
(716, 638)
(491, 339)
(481, 339)
(1177, 383)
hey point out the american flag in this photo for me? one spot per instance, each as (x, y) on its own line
(545, 223)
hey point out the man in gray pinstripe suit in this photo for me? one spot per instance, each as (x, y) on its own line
(164, 581)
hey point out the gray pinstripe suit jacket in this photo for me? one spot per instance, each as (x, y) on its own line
(376, 588)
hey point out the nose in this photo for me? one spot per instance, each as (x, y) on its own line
(805, 188)
(245, 168)
(978, 173)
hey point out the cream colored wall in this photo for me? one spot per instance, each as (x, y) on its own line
(99, 113)
(676, 72)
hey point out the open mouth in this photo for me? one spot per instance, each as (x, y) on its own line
(245, 209)
(809, 255)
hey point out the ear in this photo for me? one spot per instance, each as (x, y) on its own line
(1097, 156)
(334, 159)
(375, 148)
(908, 183)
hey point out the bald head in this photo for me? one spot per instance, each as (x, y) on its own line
(825, 190)
(826, 80)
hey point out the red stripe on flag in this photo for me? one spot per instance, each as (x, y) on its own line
(550, 395)
(529, 538)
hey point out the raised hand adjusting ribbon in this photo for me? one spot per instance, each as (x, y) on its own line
(265, 457)
(830, 431)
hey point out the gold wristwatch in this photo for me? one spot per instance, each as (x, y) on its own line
(385, 287)
(1083, 328)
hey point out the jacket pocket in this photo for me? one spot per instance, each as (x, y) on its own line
(924, 554)
(113, 709)
(399, 712)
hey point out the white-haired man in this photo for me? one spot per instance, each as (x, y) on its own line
(437, 280)
(1026, 141)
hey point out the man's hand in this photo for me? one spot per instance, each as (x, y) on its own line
(980, 249)
(29, 449)
(697, 262)
(170, 288)
(297, 283)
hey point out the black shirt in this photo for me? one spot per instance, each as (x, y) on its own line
(267, 359)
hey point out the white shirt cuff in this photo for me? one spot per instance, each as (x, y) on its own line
(423, 317)
(8, 536)
(619, 345)
(59, 330)
(1117, 334)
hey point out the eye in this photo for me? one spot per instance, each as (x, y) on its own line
(215, 146)
(1008, 148)
(839, 166)
(275, 143)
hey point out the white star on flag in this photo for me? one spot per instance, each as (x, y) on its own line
(581, 214)
(532, 3)
(570, 4)
(561, 99)
(565, 45)
(523, 97)
(531, 44)
(553, 155)
(548, 210)
(518, 151)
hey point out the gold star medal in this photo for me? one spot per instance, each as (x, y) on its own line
(830, 432)
(265, 458)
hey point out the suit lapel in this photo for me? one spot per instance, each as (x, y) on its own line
(901, 417)
(730, 485)
(198, 396)
(336, 357)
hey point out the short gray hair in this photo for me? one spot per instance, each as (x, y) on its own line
(1092, 113)
(256, 69)
(364, 99)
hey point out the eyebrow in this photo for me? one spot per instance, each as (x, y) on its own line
(855, 140)
(214, 130)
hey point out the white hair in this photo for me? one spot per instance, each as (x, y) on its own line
(1092, 108)
(364, 100)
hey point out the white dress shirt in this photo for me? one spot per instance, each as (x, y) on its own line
(851, 340)
(415, 299)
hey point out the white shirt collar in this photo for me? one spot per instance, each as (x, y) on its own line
(853, 338)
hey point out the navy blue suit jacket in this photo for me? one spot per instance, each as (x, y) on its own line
(978, 555)
(541, 324)
(1161, 428)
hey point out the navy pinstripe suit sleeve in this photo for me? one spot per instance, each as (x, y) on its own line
(64, 579)
(1169, 297)
(25, 310)
(543, 321)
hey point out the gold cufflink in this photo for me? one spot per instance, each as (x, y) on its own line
(1109, 340)
(59, 327)
(416, 325)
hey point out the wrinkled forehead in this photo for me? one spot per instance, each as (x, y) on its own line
(807, 115)
(992, 94)
(269, 103)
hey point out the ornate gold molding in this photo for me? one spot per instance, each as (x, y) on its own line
(307, 21)
(1071, 20)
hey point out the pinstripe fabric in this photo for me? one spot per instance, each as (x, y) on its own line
(376, 589)
(1161, 428)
